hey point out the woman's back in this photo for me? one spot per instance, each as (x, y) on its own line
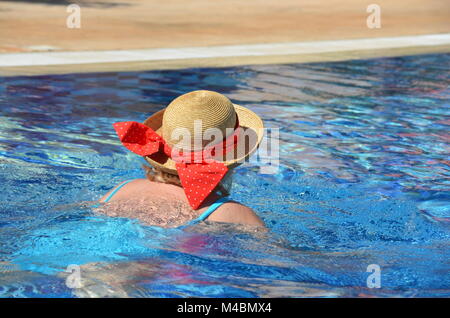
(165, 205)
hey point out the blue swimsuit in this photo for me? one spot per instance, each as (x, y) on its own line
(202, 216)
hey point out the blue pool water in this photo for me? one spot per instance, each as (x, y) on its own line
(364, 179)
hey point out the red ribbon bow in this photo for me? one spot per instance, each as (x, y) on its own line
(198, 178)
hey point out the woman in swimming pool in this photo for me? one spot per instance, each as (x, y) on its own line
(192, 146)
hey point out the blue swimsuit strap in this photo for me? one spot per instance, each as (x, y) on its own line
(112, 193)
(209, 211)
(116, 189)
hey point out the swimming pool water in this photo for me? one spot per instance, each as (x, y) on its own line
(363, 179)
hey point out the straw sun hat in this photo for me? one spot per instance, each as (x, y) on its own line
(215, 111)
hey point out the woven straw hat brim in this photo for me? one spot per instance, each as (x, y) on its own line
(247, 120)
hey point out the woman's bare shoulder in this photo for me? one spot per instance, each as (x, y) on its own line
(235, 212)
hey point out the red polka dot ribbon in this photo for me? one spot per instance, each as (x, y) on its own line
(198, 177)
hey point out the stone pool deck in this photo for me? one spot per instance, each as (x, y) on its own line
(114, 25)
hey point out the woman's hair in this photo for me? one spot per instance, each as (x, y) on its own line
(157, 175)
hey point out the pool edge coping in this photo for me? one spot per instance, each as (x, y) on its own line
(273, 57)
